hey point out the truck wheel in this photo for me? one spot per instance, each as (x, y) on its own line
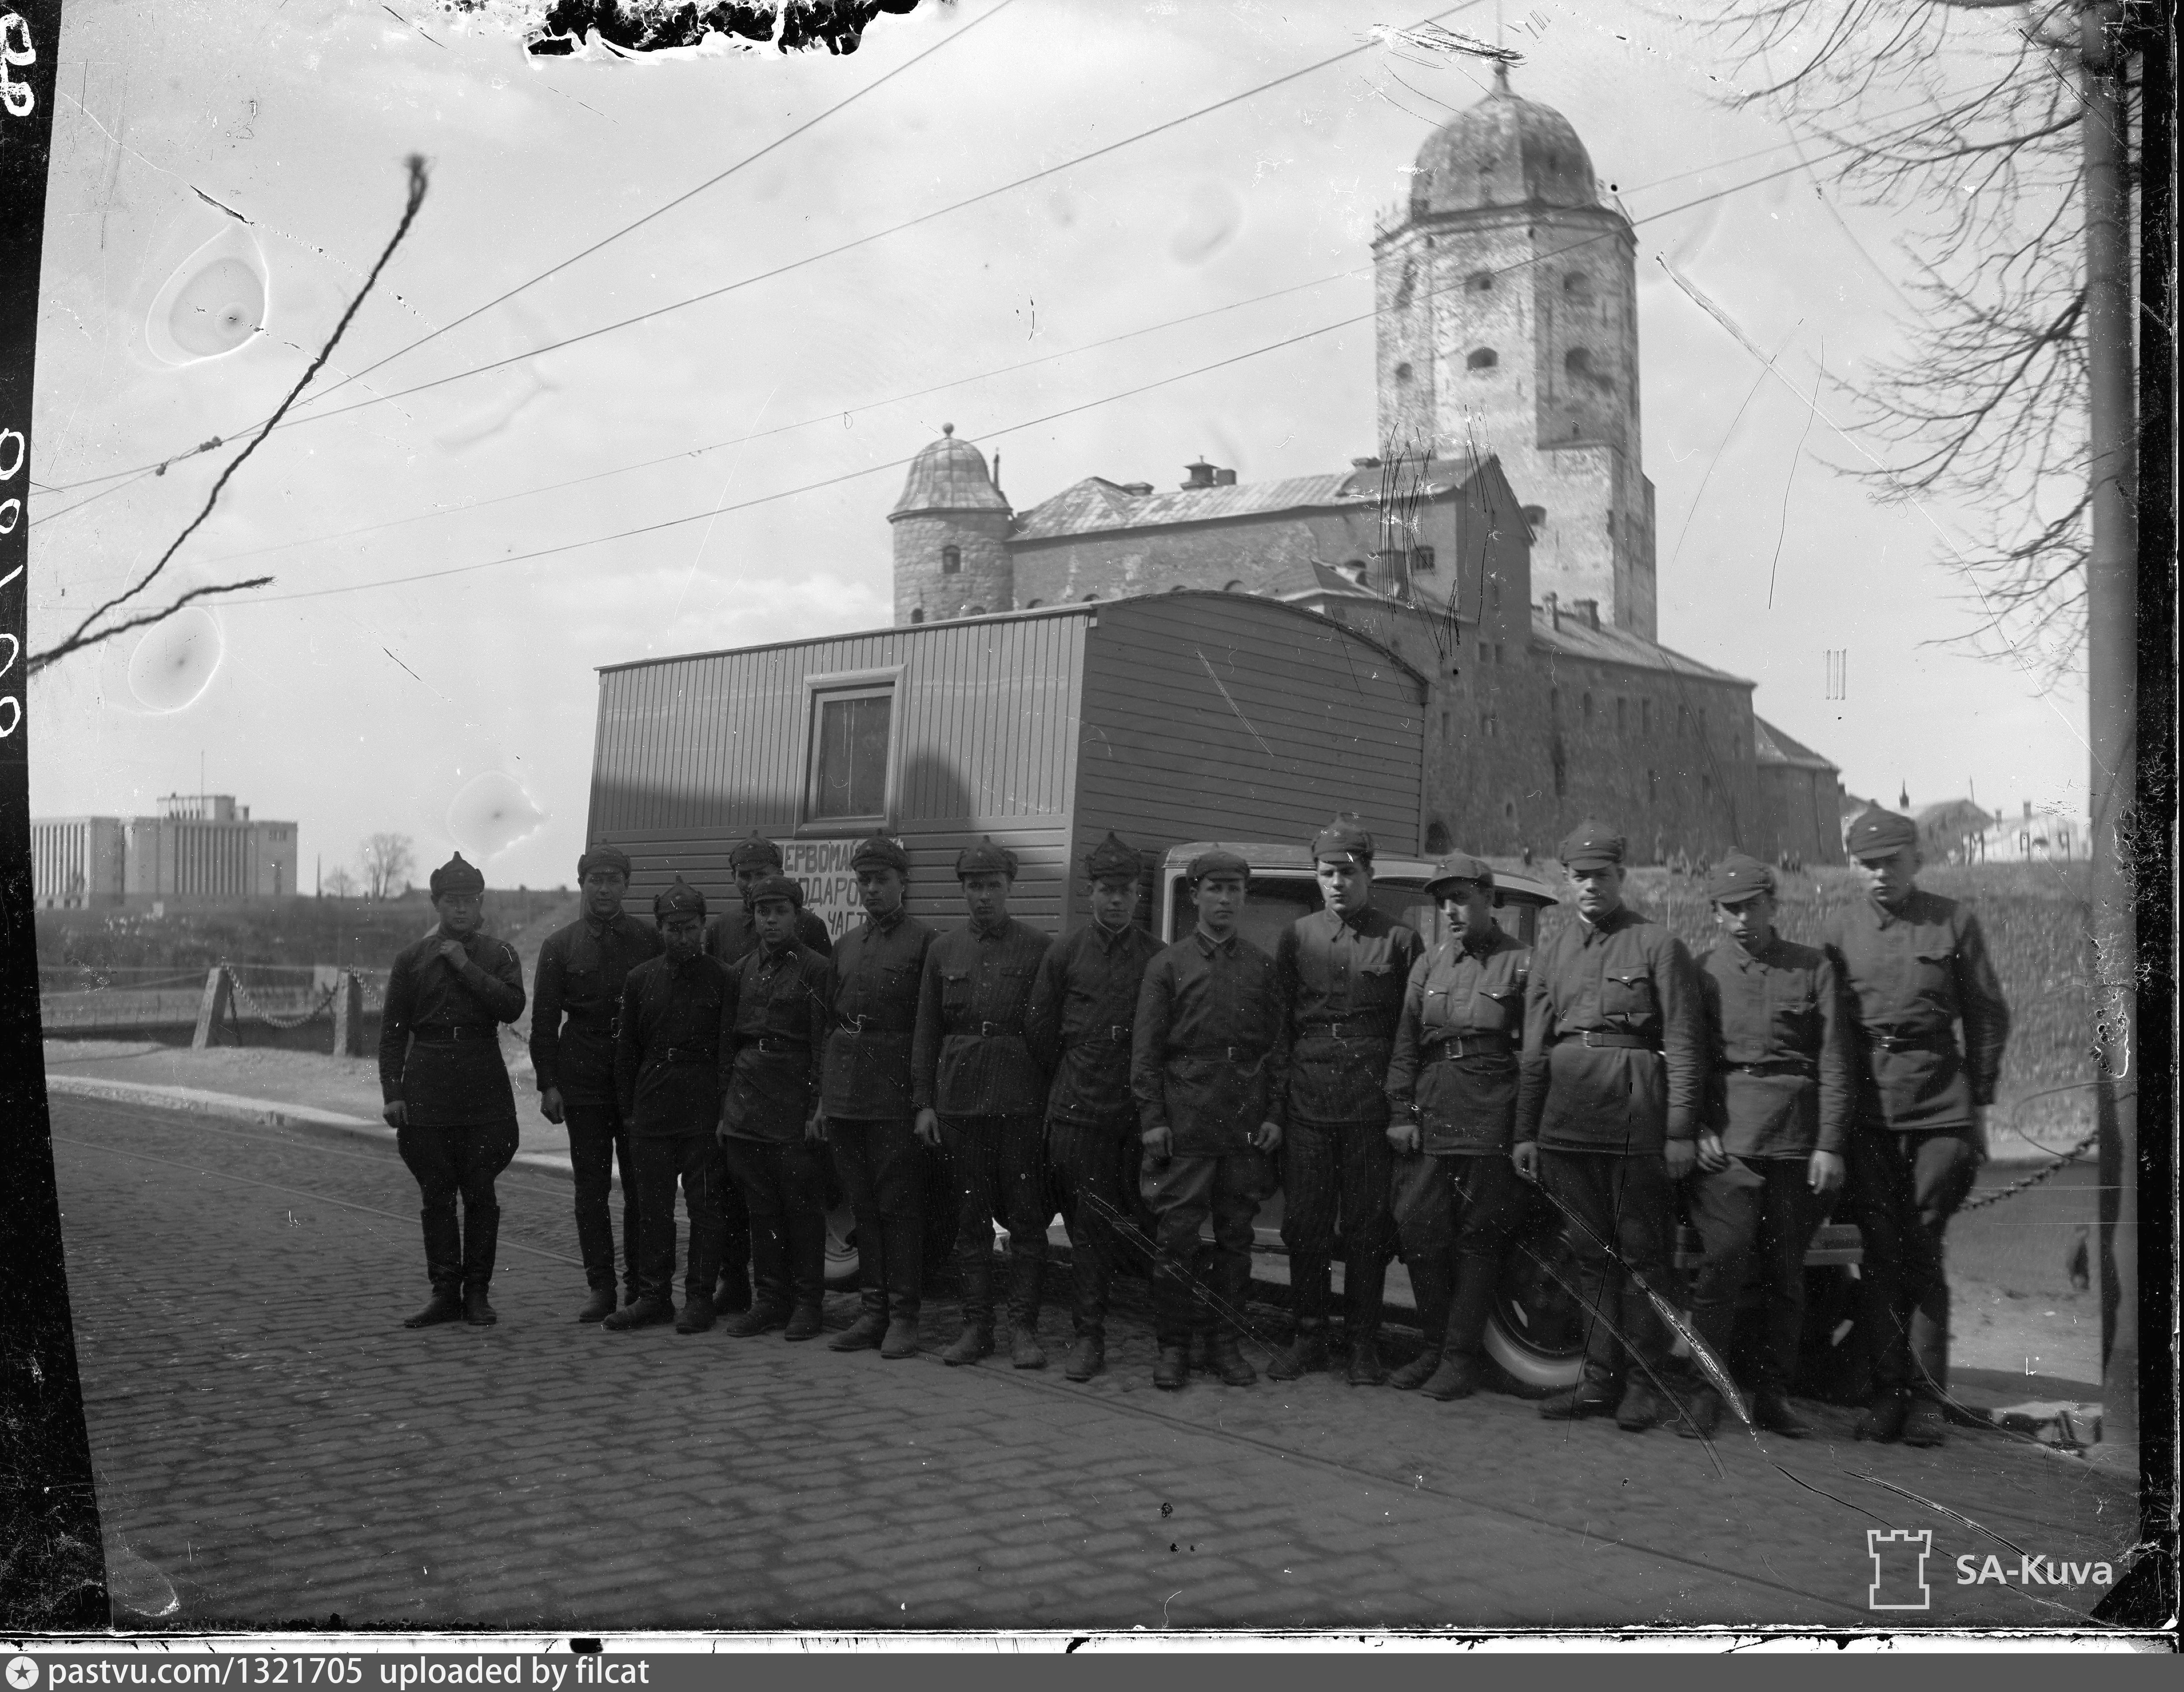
(1535, 1333)
(841, 1249)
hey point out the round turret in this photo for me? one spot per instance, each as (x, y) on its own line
(1504, 151)
(951, 527)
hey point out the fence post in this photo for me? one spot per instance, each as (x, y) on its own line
(213, 1007)
(348, 1016)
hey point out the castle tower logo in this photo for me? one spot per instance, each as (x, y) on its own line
(1899, 1568)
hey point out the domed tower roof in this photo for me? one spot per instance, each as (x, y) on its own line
(1503, 152)
(949, 476)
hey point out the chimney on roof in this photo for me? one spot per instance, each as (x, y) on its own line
(1588, 611)
(1224, 478)
(1554, 611)
(1201, 474)
(1139, 488)
(1365, 464)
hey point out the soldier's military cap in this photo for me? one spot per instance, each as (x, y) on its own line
(1219, 861)
(457, 876)
(757, 852)
(679, 901)
(1112, 857)
(777, 886)
(1878, 833)
(1591, 846)
(603, 858)
(1459, 866)
(1345, 840)
(877, 852)
(1739, 878)
(985, 859)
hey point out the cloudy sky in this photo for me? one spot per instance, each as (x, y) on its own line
(435, 516)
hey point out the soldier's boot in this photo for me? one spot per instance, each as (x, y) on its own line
(481, 1246)
(1088, 1357)
(477, 1308)
(444, 1266)
(698, 1314)
(599, 1306)
(732, 1291)
(1025, 1270)
(805, 1322)
(1701, 1415)
(1925, 1426)
(1457, 1377)
(764, 1315)
(974, 1342)
(446, 1304)
(1227, 1359)
(1429, 1286)
(645, 1311)
(868, 1330)
(1305, 1353)
(1641, 1406)
(1883, 1418)
(1772, 1411)
(1366, 1368)
(1589, 1397)
(901, 1339)
(1025, 1351)
(770, 1302)
(1173, 1369)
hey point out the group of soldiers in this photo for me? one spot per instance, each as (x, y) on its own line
(1405, 1096)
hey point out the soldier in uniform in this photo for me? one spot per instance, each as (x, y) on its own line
(1209, 1054)
(1609, 1090)
(670, 1068)
(1916, 966)
(1770, 1152)
(1340, 973)
(1452, 1106)
(728, 937)
(865, 1110)
(976, 1086)
(446, 1087)
(574, 997)
(779, 998)
(1083, 1003)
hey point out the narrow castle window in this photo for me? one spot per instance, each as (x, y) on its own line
(918, 615)
(1402, 373)
(1479, 283)
(1033, 604)
(1578, 361)
(1578, 285)
(1437, 838)
(1232, 587)
(951, 560)
(1403, 289)
(1091, 597)
(1588, 708)
(974, 610)
(1421, 558)
(1484, 358)
(1535, 518)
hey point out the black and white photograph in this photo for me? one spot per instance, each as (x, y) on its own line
(1042, 824)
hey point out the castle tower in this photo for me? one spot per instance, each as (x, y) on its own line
(951, 527)
(1508, 323)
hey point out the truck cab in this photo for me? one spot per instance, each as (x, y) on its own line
(1283, 887)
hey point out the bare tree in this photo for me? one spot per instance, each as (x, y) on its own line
(340, 883)
(387, 860)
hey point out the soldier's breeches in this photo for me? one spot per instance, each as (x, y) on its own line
(883, 1174)
(1625, 1211)
(1085, 1161)
(458, 1161)
(1903, 1189)
(1736, 1217)
(1455, 1216)
(997, 1172)
(1182, 1193)
(735, 1218)
(1331, 1170)
(784, 1194)
(599, 1142)
(664, 1162)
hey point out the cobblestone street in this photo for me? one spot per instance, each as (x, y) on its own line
(272, 1445)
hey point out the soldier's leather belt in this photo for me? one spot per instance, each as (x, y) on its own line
(991, 1030)
(688, 1055)
(1119, 1032)
(1485, 1042)
(1774, 1067)
(1610, 1038)
(862, 1024)
(775, 1044)
(447, 1033)
(1935, 1041)
(1226, 1053)
(1347, 1028)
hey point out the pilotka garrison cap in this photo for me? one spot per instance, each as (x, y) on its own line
(1459, 866)
(679, 899)
(985, 859)
(1345, 840)
(877, 852)
(1876, 833)
(603, 858)
(757, 852)
(1591, 846)
(777, 886)
(1112, 857)
(1739, 878)
(457, 876)
(1218, 861)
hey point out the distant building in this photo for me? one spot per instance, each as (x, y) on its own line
(200, 849)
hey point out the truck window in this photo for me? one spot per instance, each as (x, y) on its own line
(1275, 901)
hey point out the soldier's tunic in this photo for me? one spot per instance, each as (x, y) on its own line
(867, 1090)
(439, 1057)
(670, 1068)
(1342, 979)
(1613, 1067)
(971, 1065)
(1457, 1199)
(1781, 1086)
(1209, 1061)
(1915, 974)
(1083, 1006)
(778, 1016)
(575, 995)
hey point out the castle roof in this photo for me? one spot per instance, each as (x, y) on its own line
(1505, 151)
(1771, 746)
(1096, 505)
(1571, 637)
(948, 476)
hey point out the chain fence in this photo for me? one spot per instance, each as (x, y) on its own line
(251, 1006)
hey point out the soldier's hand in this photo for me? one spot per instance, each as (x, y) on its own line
(816, 1129)
(1526, 1156)
(454, 952)
(1977, 1137)
(1711, 1156)
(927, 1126)
(1159, 1143)
(1267, 1136)
(1680, 1155)
(549, 1105)
(1824, 1173)
(397, 1114)
(1403, 1136)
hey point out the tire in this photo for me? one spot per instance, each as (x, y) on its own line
(842, 1262)
(1534, 1333)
